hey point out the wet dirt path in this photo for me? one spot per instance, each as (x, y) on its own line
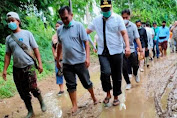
(155, 96)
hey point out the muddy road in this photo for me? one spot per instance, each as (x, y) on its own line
(154, 97)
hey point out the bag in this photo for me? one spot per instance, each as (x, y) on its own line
(25, 49)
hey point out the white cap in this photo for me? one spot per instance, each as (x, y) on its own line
(13, 15)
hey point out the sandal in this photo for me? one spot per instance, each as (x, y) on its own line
(106, 100)
(116, 102)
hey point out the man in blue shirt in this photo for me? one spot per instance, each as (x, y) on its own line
(155, 42)
(162, 37)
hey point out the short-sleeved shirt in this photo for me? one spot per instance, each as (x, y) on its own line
(72, 39)
(156, 30)
(133, 34)
(163, 32)
(150, 32)
(20, 58)
(114, 39)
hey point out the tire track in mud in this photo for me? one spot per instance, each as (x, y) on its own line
(162, 78)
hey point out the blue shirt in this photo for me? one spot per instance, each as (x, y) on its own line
(163, 32)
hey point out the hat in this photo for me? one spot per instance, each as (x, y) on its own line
(105, 3)
(13, 15)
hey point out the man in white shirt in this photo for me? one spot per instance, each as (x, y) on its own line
(150, 36)
(111, 31)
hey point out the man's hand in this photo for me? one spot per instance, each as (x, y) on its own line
(40, 69)
(94, 50)
(4, 74)
(127, 51)
(87, 63)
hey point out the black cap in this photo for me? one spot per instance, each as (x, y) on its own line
(163, 21)
(106, 3)
(154, 23)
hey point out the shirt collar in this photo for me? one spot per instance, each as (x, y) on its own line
(129, 25)
(73, 23)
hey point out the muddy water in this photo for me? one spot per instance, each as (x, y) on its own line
(135, 103)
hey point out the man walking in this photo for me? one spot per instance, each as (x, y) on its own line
(24, 74)
(162, 37)
(150, 36)
(133, 35)
(111, 31)
(74, 44)
(174, 37)
(144, 42)
(155, 41)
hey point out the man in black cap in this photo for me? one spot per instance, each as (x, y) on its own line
(162, 37)
(112, 33)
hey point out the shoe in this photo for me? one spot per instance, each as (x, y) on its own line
(147, 65)
(128, 87)
(30, 109)
(130, 75)
(41, 101)
(60, 93)
(141, 70)
(137, 79)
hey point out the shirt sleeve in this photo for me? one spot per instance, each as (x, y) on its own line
(91, 26)
(7, 45)
(83, 35)
(59, 40)
(121, 25)
(136, 33)
(32, 41)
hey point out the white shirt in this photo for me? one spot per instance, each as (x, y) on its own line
(114, 39)
(150, 32)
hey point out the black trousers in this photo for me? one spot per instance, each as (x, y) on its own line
(70, 72)
(132, 60)
(26, 81)
(111, 65)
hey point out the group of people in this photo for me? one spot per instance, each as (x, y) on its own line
(123, 47)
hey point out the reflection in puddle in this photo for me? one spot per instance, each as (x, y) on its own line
(53, 108)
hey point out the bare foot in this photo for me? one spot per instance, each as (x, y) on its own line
(95, 101)
(74, 109)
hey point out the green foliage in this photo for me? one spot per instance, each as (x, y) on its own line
(7, 88)
(2, 53)
(43, 37)
(149, 10)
